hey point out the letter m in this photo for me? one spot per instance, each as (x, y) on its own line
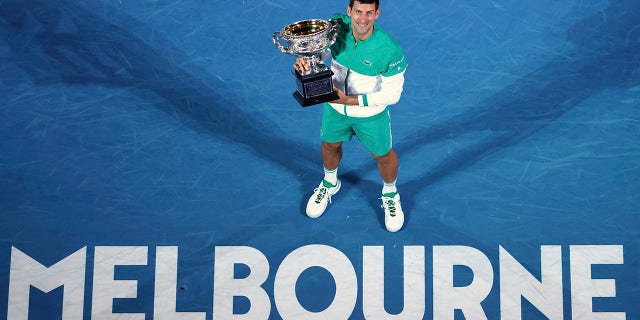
(26, 272)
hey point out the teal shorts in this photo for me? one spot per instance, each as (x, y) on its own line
(374, 132)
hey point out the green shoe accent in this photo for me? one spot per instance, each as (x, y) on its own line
(390, 194)
(391, 205)
(327, 184)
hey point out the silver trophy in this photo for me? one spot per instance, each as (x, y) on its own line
(309, 39)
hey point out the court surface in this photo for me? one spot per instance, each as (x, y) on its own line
(142, 137)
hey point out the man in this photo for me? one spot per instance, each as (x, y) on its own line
(368, 68)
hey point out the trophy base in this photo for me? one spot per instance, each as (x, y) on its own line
(305, 102)
(314, 88)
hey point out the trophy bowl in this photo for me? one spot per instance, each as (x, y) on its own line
(308, 39)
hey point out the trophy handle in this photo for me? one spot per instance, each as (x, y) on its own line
(276, 41)
(335, 29)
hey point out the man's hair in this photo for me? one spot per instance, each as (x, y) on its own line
(376, 2)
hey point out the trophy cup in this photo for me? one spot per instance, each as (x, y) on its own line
(308, 39)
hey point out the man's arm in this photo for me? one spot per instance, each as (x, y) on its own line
(389, 93)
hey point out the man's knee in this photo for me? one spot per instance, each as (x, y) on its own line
(332, 146)
(391, 155)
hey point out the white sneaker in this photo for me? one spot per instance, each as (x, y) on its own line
(393, 215)
(321, 197)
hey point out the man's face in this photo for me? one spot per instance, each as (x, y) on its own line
(362, 18)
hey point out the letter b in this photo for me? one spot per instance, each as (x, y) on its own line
(225, 286)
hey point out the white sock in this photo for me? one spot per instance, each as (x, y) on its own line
(389, 187)
(331, 176)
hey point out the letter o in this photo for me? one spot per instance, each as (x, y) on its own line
(332, 260)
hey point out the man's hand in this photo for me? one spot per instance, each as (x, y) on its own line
(302, 65)
(345, 99)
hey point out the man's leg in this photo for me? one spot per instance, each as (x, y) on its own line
(331, 156)
(335, 127)
(388, 166)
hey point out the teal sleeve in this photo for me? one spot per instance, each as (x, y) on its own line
(397, 63)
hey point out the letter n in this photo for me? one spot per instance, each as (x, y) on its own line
(517, 282)
(26, 272)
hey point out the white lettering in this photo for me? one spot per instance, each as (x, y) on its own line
(329, 258)
(26, 272)
(544, 290)
(517, 282)
(584, 288)
(447, 297)
(373, 284)
(164, 306)
(225, 286)
(106, 288)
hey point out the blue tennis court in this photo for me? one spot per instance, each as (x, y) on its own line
(154, 165)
